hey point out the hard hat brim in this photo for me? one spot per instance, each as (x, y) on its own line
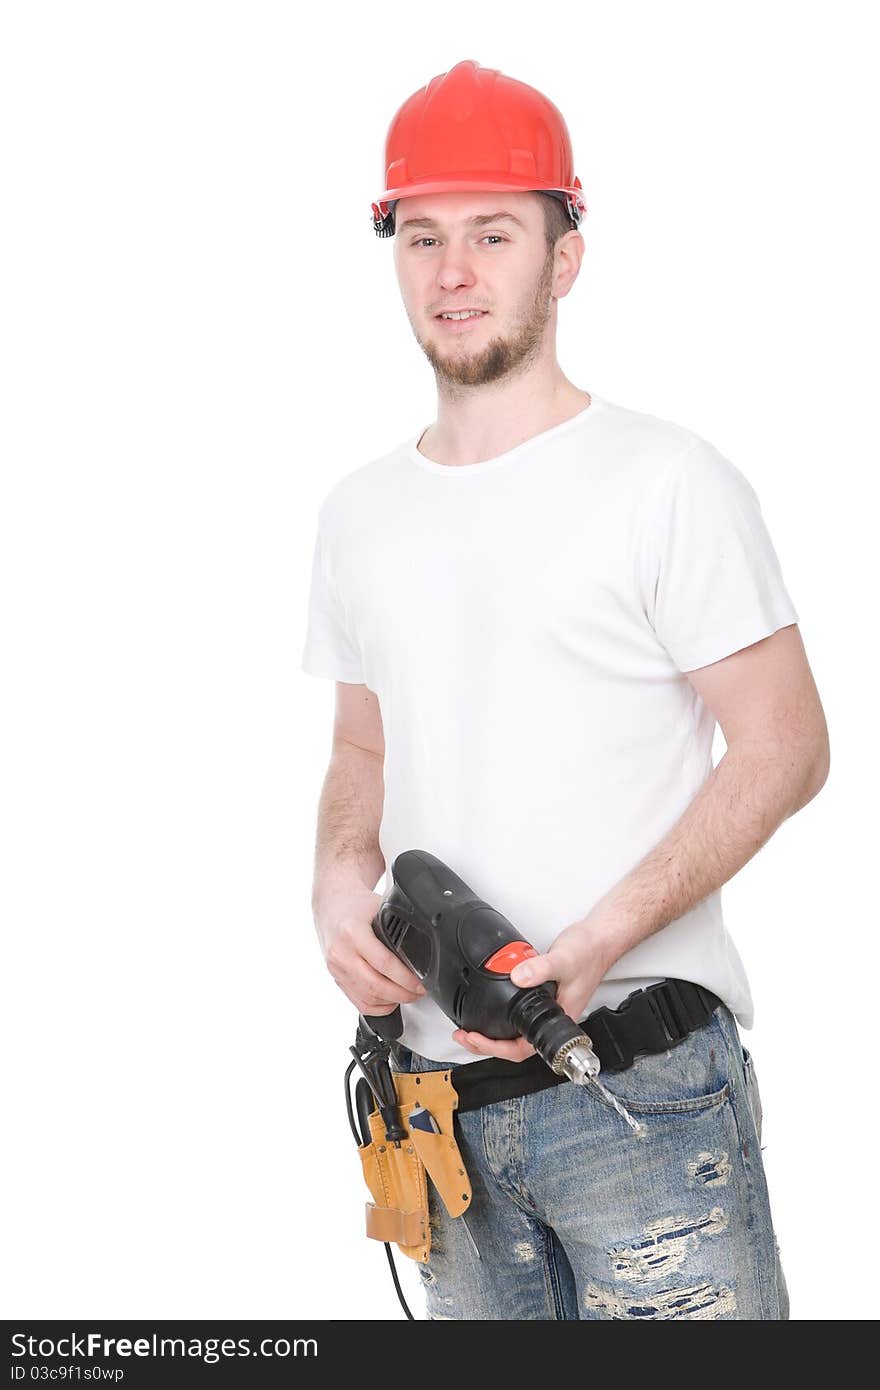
(500, 183)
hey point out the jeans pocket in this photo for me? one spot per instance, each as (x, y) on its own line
(692, 1076)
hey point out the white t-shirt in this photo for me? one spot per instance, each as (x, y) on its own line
(525, 622)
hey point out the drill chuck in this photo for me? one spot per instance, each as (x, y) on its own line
(577, 1061)
(562, 1043)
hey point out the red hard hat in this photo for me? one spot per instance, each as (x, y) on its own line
(473, 129)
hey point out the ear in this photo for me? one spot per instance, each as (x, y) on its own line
(569, 252)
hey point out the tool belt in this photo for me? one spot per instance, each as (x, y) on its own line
(647, 1021)
(396, 1174)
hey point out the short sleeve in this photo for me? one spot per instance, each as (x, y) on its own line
(329, 650)
(718, 584)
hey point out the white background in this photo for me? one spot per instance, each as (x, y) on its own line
(200, 334)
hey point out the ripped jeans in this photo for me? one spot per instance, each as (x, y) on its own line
(577, 1217)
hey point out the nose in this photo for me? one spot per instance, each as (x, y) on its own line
(455, 270)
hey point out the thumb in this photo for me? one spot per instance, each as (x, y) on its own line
(534, 971)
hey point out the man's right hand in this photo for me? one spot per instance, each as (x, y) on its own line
(373, 978)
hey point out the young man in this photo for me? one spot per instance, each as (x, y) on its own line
(535, 611)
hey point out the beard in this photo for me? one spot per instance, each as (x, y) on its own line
(502, 355)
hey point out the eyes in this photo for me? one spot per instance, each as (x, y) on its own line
(490, 236)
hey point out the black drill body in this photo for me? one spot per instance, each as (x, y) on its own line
(445, 933)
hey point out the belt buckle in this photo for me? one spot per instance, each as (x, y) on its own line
(659, 997)
(598, 1018)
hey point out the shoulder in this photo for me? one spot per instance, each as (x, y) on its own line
(704, 473)
(643, 446)
(645, 432)
(355, 496)
(675, 458)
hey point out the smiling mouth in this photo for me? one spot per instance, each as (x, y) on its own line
(473, 317)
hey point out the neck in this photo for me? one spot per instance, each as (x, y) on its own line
(478, 423)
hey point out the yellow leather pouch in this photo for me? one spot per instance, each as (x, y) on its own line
(397, 1174)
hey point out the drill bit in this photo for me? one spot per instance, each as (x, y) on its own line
(621, 1110)
(577, 1060)
(470, 1237)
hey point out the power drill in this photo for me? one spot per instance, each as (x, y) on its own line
(463, 951)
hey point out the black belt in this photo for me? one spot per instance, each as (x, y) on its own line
(648, 1020)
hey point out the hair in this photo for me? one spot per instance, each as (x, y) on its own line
(556, 219)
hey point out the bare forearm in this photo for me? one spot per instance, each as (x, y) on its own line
(347, 853)
(740, 805)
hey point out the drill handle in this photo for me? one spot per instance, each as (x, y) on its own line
(388, 1026)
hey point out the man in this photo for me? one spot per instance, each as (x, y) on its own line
(535, 611)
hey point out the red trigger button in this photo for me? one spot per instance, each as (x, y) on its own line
(508, 956)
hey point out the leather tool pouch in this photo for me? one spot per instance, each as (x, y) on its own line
(397, 1175)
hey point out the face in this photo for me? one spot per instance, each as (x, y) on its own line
(452, 251)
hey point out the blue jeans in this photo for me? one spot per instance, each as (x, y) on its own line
(577, 1217)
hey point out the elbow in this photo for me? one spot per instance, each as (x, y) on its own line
(819, 767)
